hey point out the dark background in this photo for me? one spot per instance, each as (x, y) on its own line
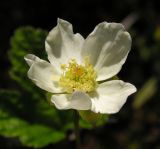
(132, 128)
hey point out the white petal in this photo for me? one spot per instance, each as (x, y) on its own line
(30, 59)
(78, 100)
(111, 96)
(107, 46)
(43, 74)
(62, 44)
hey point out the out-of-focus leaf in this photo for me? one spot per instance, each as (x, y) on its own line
(145, 93)
(26, 40)
(157, 34)
(85, 124)
(133, 145)
(39, 110)
(144, 51)
(34, 135)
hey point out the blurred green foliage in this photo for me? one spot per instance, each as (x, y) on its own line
(25, 40)
(145, 93)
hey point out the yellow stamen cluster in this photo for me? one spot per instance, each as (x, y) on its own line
(77, 77)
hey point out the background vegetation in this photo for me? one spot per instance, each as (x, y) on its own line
(28, 121)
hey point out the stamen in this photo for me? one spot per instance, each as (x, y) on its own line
(78, 77)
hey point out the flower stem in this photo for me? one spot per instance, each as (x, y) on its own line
(76, 127)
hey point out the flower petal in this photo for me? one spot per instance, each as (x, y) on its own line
(30, 59)
(43, 74)
(78, 100)
(107, 47)
(111, 96)
(62, 44)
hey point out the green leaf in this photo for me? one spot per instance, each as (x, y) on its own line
(24, 41)
(33, 135)
(85, 124)
(40, 136)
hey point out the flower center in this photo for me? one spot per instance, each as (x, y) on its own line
(78, 77)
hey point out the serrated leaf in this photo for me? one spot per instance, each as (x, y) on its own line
(24, 41)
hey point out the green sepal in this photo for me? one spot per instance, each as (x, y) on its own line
(48, 97)
(110, 79)
(95, 119)
(114, 78)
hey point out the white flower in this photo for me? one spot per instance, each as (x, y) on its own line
(79, 68)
